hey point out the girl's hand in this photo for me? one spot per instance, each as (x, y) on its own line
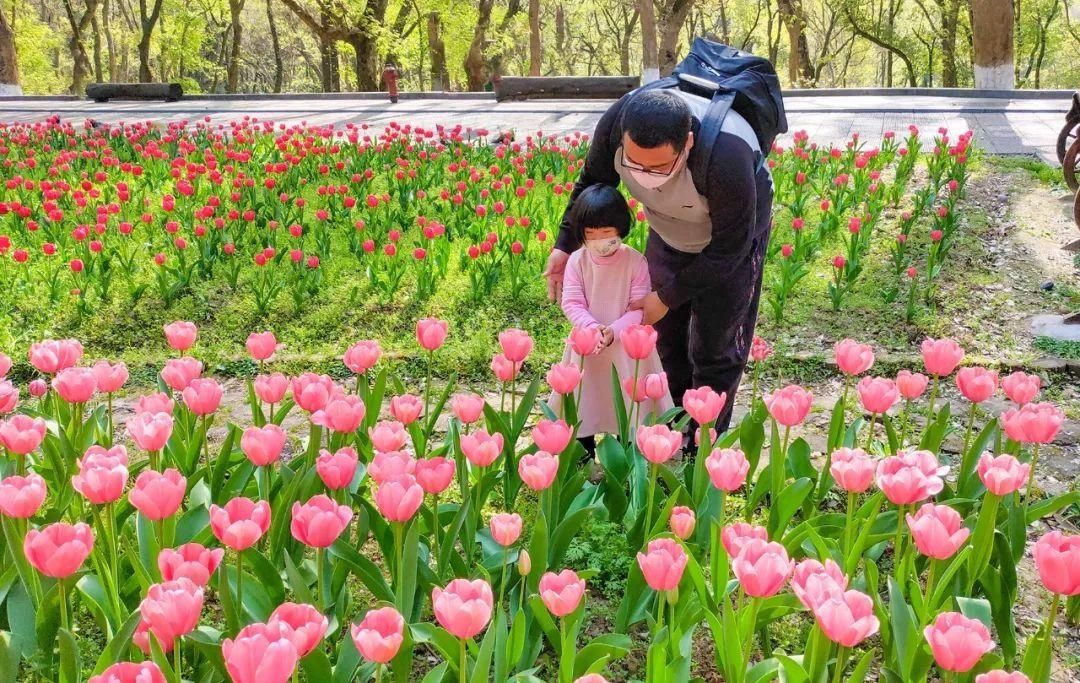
(606, 338)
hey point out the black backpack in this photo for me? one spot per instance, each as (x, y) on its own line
(730, 79)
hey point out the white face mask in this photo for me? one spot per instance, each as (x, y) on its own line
(603, 247)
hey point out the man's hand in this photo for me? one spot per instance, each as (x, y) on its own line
(607, 336)
(556, 266)
(652, 308)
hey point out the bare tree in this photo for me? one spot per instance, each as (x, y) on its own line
(9, 63)
(148, 19)
(992, 32)
(81, 67)
(650, 54)
(535, 52)
(672, 18)
(279, 66)
(800, 71)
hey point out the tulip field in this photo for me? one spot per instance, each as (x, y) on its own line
(195, 501)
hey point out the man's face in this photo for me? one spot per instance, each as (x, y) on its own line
(658, 160)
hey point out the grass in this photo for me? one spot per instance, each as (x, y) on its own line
(1039, 169)
(1069, 350)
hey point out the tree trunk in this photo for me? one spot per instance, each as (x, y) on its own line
(331, 79)
(97, 47)
(535, 53)
(650, 52)
(950, 13)
(992, 30)
(671, 21)
(147, 20)
(9, 63)
(81, 67)
(476, 71)
(800, 72)
(440, 76)
(279, 67)
(109, 45)
(235, 8)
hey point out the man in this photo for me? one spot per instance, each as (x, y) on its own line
(707, 236)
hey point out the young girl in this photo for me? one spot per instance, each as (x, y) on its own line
(601, 279)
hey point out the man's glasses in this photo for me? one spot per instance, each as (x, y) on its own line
(637, 168)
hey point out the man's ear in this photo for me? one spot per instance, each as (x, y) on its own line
(689, 141)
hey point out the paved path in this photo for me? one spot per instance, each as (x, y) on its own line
(1002, 126)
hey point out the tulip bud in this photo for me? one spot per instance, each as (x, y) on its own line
(672, 596)
(524, 563)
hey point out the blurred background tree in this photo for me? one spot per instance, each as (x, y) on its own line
(56, 46)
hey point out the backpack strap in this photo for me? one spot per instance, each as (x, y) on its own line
(715, 121)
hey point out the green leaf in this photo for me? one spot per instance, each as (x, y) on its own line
(482, 666)
(364, 569)
(904, 629)
(602, 649)
(117, 647)
(784, 507)
(316, 666)
(297, 583)
(1047, 507)
(9, 659)
(409, 563)
(975, 608)
(70, 663)
(858, 674)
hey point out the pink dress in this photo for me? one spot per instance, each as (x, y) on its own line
(597, 290)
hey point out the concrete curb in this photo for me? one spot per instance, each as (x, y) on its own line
(931, 92)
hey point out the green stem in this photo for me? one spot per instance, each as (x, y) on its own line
(109, 401)
(64, 606)
(931, 579)
(717, 547)
(206, 440)
(320, 566)
(240, 584)
(933, 396)
(176, 660)
(1031, 474)
(841, 662)
(897, 544)
(504, 578)
(851, 498)
(463, 668)
(904, 422)
(566, 654)
(631, 425)
(398, 575)
(378, 673)
(427, 385)
(649, 504)
(964, 459)
(1048, 646)
(870, 431)
(755, 606)
(435, 530)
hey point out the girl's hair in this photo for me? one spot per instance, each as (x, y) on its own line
(600, 206)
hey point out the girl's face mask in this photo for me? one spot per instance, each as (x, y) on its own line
(603, 247)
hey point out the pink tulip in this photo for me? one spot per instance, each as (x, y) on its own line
(202, 396)
(910, 477)
(877, 394)
(789, 406)
(318, 522)
(150, 431)
(50, 357)
(21, 497)
(59, 549)
(171, 609)
(958, 643)
(911, 384)
(1033, 423)
(434, 474)
(5, 365)
(1002, 676)
(261, 653)
(181, 335)
(1020, 387)
(308, 625)
(760, 349)
(1057, 557)
(261, 345)
(38, 388)
(75, 385)
(653, 386)
(362, 356)
(388, 435)
(337, 469)
(263, 445)
(398, 498)
(658, 443)
(178, 373)
(564, 378)
(406, 408)
(9, 397)
(130, 672)
(102, 475)
(976, 384)
(464, 607)
(109, 378)
(682, 521)
(584, 340)
(1003, 474)
(703, 404)
(380, 635)
(852, 357)
(190, 561)
(813, 583)
(516, 344)
(735, 536)
(312, 392)
(391, 464)
(504, 369)
(938, 530)
(662, 564)
(762, 568)
(847, 619)
(271, 388)
(467, 407)
(158, 495)
(591, 678)
(727, 468)
(241, 523)
(941, 356)
(562, 592)
(154, 403)
(22, 434)
(537, 470)
(342, 414)
(141, 638)
(505, 528)
(638, 341)
(481, 448)
(852, 469)
(431, 333)
(551, 436)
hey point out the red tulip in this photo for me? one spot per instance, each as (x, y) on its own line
(1057, 557)
(682, 521)
(388, 435)
(941, 356)
(505, 528)
(202, 396)
(1033, 423)
(847, 619)
(342, 414)
(516, 344)
(467, 407)
(584, 340)
(151, 431)
(789, 406)
(406, 408)
(658, 443)
(434, 474)
(1020, 387)
(564, 378)
(154, 403)
(727, 468)
(762, 567)
(735, 536)
(109, 378)
(910, 477)
(50, 357)
(877, 394)
(551, 436)
(938, 530)
(481, 448)
(703, 404)
(976, 384)
(387, 465)
(662, 564)
(852, 469)
(813, 582)
(102, 474)
(1003, 474)
(957, 642)
(504, 369)
(538, 470)
(312, 392)
(911, 384)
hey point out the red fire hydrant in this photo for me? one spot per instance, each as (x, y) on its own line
(390, 78)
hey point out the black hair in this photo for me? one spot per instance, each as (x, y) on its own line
(653, 118)
(600, 206)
